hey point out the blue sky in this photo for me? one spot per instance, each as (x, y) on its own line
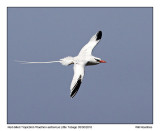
(119, 91)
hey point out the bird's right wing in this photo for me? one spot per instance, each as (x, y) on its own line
(77, 79)
(87, 49)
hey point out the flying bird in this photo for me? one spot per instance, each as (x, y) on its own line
(84, 58)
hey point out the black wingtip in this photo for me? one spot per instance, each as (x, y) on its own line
(99, 35)
(76, 88)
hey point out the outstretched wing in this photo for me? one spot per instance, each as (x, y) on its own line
(87, 49)
(77, 79)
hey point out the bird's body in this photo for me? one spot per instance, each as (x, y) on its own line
(84, 58)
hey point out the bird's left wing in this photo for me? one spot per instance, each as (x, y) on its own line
(77, 79)
(87, 49)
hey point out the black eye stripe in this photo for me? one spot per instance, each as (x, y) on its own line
(97, 59)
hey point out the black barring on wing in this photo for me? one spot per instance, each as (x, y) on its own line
(76, 87)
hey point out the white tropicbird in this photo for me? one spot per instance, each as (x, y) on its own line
(83, 59)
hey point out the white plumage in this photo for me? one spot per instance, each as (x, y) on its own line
(67, 61)
(83, 59)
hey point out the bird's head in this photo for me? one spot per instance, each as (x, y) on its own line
(98, 60)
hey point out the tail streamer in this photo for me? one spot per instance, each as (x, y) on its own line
(33, 62)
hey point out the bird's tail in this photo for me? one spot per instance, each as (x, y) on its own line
(33, 62)
(67, 61)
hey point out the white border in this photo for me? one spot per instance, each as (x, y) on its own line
(80, 3)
